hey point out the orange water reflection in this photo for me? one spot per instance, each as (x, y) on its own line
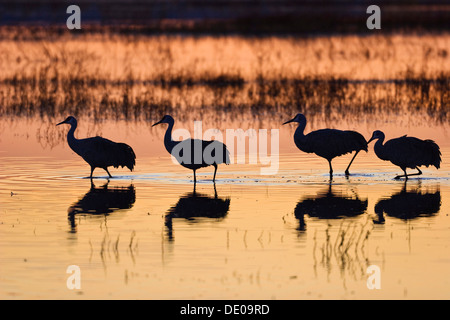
(147, 234)
(256, 250)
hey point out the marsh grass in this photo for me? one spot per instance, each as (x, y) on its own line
(134, 78)
(347, 249)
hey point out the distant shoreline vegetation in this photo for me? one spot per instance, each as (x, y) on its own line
(144, 101)
(134, 78)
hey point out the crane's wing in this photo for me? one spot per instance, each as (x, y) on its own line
(217, 150)
(201, 152)
(330, 143)
(101, 152)
(412, 152)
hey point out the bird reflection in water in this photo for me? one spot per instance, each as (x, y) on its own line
(329, 205)
(102, 201)
(407, 205)
(195, 205)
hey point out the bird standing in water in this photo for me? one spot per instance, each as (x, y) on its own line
(194, 153)
(328, 143)
(407, 152)
(99, 152)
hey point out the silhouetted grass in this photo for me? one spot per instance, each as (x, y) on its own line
(141, 78)
(138, 101)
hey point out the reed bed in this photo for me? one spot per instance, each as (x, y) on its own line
(138, 78)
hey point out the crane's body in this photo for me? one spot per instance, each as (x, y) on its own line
(407, 152)
(194, 153)
(99, 152)
(328, 143)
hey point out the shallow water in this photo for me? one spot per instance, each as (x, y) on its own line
(289, 235)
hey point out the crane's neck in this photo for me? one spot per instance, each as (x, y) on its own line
(299, 133)
(73, 142)
(168, 142)
(379, 149)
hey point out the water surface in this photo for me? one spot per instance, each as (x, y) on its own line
(293, 234)
(146, 234)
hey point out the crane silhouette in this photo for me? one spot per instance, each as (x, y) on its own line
(99, 152)
(407, 205)
(407, 152)
(328, 143)
(194, 153)
(329, 205)
(102, 201)
(196, 206)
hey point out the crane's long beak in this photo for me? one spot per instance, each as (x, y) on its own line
(61, 122)
(156, 123)
(289, 121)
(370, 140)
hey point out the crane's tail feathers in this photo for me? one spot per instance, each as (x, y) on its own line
(348, 141)
(125, 156)
(223, 156)
(434, 153)
(227, 155)
(359, 142)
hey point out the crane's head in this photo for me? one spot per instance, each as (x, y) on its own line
(69, 120)
(298, 118)
(165, 119)
(377, 134)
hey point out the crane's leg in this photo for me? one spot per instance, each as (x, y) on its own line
(302, 224)
(109, 174)
(401, 176)
(195, 178)
(92, 171)
(346, 170)
(409, 175)
(215, 170)
(331, 169)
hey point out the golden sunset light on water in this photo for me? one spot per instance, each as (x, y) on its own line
(275, 224)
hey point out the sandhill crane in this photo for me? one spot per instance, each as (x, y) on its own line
(328, 143)
(194, 153)
(407, 152)
(99, 152)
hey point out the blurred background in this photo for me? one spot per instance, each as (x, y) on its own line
(236, 16)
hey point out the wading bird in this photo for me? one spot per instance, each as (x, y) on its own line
(328, 143)
(99, 152)
(194, 153)
(407, 152)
